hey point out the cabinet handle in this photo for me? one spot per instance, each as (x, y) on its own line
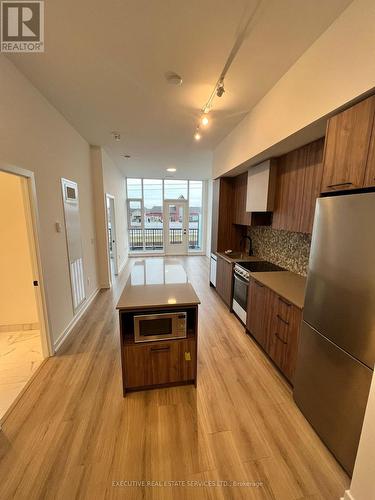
(279, 338)
(285, 302)
(340, 184)
(282, 319)
(160, 349)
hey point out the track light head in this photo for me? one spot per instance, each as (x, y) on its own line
(220, 89)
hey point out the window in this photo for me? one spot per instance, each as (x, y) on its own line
(195, 214)
(174, 190)
(145, 212)
(134, 188)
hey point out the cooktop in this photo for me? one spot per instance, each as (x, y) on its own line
(259, 266)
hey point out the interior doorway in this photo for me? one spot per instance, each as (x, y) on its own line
(24, 339)
(176, 224)
(112, 239)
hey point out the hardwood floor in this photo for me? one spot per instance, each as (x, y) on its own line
(73, 435)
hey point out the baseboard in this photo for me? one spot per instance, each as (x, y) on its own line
(347, 496)
(65, 334)
(19, 327)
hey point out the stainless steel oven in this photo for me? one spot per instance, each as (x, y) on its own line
(164, 326)
(240, 292)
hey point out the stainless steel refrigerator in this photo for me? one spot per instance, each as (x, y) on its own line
(337, 344)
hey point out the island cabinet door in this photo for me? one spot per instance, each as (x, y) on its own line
(159, 363)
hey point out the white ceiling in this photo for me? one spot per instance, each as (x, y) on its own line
(105, 63)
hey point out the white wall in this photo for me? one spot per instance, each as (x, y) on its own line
(337, 68)
(34, 136)
(114, 184)
(109, 180)
(363, 481)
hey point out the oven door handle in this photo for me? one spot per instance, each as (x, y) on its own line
(242, 280)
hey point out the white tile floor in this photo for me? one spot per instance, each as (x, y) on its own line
(20, 356)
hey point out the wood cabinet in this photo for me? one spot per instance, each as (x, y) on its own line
(224, 234)
(159, 363)
(240, 216)
(224, 280)
(347, 147)
(229, 216)
(275, 324)
(370, 168)
(283, 335)
(257, 308)
(298, 183)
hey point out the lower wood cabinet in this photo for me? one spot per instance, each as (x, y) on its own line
(258, 305)
(224, 280)
(275, 324)
(158, 363)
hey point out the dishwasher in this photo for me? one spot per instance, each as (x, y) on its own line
(213, 264)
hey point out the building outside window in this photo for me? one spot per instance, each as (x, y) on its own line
(146, 224)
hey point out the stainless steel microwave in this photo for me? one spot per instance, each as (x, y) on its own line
(164, 326)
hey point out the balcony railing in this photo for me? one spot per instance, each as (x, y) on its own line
(152, 239)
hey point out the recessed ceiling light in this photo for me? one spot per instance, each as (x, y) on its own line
(173, 78)
(126, 156)
(197, 136)
(116, 136)
(171, 169)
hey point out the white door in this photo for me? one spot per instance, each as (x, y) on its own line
(74, 243)
(112, 238)
(176, 227)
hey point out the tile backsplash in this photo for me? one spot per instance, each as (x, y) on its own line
(284, 248)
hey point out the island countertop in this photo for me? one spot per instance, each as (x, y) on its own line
(156, 283)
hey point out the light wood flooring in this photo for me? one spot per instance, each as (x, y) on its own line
(20, 356)
(73, 435)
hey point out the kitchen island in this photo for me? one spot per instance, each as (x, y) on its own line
(158, 314)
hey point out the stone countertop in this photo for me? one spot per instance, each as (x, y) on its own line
(288, 285)
(238, 257)
(156, 283)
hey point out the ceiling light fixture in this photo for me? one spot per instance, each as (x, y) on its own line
(171, 169)
(116, 136)
(204, 120)
(126, 156)
(219, 89)
(197, 136)
(173, 78)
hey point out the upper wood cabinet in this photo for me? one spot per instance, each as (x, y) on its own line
(313, 171)
(298, 183)
(370, 168)
(224, 235)
(347, 147)
(240, 216)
